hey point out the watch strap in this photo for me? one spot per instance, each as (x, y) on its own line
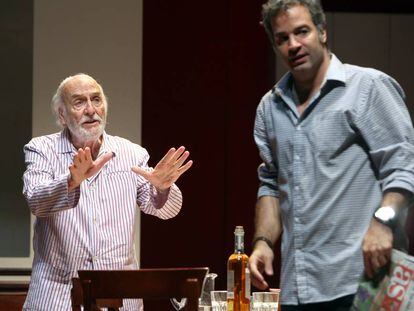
(264, 239)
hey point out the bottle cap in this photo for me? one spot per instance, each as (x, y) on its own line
(239, 230)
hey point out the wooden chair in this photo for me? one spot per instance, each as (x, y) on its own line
(76, 296)
(142, 283)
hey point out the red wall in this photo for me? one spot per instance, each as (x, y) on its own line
(205, 67)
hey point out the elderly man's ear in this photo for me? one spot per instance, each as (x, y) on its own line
(61, 117)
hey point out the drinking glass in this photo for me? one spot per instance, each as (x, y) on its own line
(178, 305)
(219, 300)
(266, 301)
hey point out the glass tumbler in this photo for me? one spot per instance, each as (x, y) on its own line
(266, 301)
(219, 300)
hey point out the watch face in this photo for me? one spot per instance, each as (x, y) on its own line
(385, 213)
(387, 216)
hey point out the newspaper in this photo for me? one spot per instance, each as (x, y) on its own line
(392, 289)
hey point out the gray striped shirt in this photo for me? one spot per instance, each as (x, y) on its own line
(329, 168)
(91, 227)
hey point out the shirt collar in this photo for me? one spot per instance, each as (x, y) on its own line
(108, 145)
(64, 144)
(335, 72)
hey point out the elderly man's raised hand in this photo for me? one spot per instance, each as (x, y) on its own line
(84, 167)
(168, 170)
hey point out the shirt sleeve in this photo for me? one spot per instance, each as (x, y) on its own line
(162, 205)
(45, 193)
(267, 171)
(386, 127)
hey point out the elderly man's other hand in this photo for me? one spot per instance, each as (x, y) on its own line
(84, 167)
(168, 170)
(376, 247)
(260, 262)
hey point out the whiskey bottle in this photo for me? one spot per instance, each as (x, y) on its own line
(238, 275)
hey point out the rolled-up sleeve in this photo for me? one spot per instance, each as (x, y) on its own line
(386, 127)
(267, 171)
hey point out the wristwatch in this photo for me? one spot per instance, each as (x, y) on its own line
(387, 216)
(264, 239)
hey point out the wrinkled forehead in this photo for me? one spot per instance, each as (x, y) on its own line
(80, 86)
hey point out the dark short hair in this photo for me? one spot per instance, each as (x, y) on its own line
(273, 7)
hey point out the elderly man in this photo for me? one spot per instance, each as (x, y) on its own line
(337, 145)
(83, 186)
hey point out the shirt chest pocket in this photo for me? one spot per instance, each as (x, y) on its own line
(331, 133)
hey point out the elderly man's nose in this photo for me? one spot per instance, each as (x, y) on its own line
(89, 108)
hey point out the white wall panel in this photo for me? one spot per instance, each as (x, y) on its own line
(100, 37)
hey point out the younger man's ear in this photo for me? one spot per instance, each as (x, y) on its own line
(324, 36)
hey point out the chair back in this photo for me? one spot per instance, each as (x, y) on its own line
(142, 283)
(76, 296)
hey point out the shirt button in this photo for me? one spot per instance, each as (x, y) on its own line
(298, 127)
(94, 258)
(297, 188)
(297, 157)
(94, 220)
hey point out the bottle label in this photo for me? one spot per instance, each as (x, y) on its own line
(239, 243)
(247, 283)
(230, 284)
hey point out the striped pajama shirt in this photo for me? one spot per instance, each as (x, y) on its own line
(91, 227)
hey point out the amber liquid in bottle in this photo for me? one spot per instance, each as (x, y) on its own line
(238, 275)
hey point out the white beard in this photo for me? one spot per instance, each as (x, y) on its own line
(86, 135)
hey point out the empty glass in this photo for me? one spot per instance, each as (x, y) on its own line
(178, 305)
(266, 301)
(219, 300)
